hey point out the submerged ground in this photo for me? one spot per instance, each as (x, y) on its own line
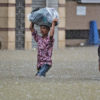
(73, 76)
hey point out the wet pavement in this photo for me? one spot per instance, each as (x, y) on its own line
(74, 75)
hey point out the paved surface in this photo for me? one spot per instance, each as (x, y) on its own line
(73, 76)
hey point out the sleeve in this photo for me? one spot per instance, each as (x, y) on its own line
(35, 35)
(51, 41)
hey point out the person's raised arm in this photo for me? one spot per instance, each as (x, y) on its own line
(53, 28)
(34, 33)
(32, 27)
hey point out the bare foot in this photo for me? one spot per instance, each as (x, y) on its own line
(37, 76)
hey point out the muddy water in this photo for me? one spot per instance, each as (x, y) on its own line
(73, 76)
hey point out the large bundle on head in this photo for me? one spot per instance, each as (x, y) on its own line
(43, 16)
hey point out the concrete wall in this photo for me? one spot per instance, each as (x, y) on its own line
(3, 23)
(11, 24)
(7, 24)
(67, 15)
(28, 36)
(80, 22)
(74, 21)
(62, 23)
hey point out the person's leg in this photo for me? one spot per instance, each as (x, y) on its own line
(99, 65)
(99, 57)
(43, 70)
(38, 69)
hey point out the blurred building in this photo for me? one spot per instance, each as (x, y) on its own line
(73, 29)
(79, 13)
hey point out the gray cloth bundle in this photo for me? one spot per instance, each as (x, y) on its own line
(43, 16)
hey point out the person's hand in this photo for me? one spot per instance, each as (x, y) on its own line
(31, 27)
(55, 21)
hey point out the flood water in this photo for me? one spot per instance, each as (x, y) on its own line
(74, 75)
